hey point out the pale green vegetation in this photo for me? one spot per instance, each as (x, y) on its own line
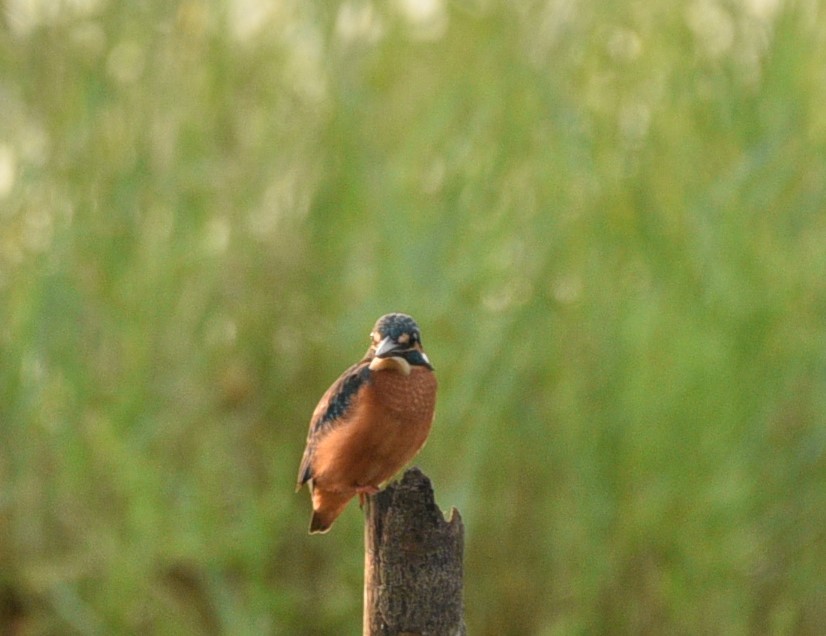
(609, 219)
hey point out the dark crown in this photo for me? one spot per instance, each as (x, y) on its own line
(394, 325)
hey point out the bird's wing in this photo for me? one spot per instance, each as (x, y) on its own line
(331, 411)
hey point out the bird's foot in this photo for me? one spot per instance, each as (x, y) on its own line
(364, 492)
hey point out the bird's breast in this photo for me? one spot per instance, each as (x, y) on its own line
(408, 398)
(389, 423)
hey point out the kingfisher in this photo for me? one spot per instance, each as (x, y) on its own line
(371, 422)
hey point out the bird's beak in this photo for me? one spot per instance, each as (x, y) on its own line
(386, 347)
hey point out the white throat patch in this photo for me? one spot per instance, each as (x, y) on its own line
(394, 363)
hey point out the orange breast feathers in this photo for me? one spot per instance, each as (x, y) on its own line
(389, 422)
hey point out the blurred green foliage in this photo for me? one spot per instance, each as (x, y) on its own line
(607, 217)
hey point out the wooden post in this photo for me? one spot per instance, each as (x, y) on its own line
(412, 562)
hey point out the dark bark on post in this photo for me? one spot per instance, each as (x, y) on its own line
(412, 563)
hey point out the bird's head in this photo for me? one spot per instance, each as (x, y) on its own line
(397, 342)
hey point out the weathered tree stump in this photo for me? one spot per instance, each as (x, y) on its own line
(412, 563)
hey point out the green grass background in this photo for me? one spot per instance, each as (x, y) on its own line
(609, 219)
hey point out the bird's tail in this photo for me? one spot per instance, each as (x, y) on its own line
(327, 506)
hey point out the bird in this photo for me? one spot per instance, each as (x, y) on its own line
(371, 421)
